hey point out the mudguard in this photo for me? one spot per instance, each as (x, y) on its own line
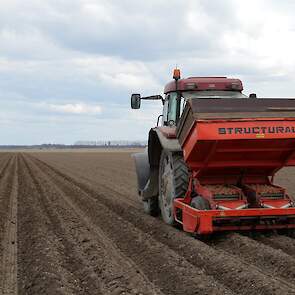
(142, 167)
(168, 144)
(147, 163)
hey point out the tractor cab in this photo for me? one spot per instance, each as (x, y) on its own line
(178, 91)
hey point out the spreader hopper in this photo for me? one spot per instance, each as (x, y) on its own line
(233, 149)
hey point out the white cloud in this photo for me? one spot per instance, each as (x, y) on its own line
(99, 52)
(117, 73)
(75, 108)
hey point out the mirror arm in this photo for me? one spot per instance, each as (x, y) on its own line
(154, 97)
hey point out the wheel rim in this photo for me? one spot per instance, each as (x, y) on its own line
(167, 194)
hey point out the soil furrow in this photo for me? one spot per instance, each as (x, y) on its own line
(273, 261)
(3, 156)
(120, 171)
(6, 176)
(6, 193)
(279, 242)
(154, 258)
(83, 239)
(5, 163)
(194, 251)
(9, 257)
(44, 264)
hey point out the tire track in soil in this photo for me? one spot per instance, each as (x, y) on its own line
(9, 257)
(8, 283)
(45, 265)
(114, 272)
(169, 271)
(248, 279)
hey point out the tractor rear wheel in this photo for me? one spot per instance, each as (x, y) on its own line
(173, 183)
(151, 206)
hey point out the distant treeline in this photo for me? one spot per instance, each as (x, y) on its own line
(65, 146)
(111, 142)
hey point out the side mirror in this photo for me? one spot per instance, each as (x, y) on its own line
(135, 101)
(253, 95)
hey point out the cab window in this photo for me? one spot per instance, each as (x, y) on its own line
(172, 107)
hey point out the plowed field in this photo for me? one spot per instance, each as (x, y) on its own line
(72, 223)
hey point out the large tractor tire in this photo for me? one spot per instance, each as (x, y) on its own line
(151, 206)
(173, 183)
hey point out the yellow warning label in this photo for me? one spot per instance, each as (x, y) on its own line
(260, 135)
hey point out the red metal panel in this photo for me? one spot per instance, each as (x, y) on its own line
(239, 163)
(250, 227)
(205, 83)
(245, 130)
(201, 221)
(213, 145)
(240, 213)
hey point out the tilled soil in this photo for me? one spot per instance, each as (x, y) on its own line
(72, 223)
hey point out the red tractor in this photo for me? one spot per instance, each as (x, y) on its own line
(210, 166)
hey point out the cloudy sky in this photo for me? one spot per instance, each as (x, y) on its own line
(68, 67)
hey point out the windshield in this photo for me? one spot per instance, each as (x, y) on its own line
(213, 94)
